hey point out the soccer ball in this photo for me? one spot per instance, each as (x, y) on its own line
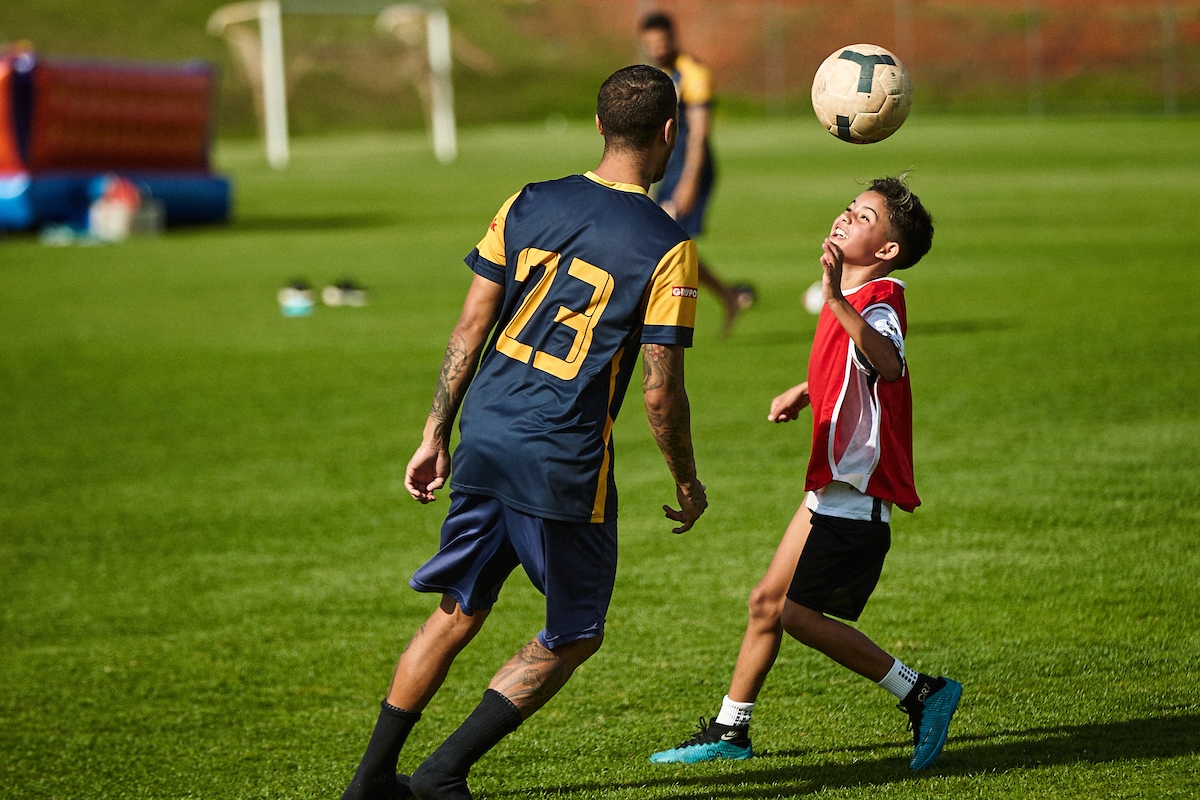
(862, 93)
(814, 298)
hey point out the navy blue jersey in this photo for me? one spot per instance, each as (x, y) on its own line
(694, 88)
(591, 270)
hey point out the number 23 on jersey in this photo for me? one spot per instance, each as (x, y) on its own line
(582, 322)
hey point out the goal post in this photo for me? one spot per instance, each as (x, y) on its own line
(261, 58)
(440, 92)
(262, 61)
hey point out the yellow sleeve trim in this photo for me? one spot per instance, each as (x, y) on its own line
(491, 246)
(675, 287)
(695, 81)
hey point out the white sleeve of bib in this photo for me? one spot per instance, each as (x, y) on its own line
(884, 319)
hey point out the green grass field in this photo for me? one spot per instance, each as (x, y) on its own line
(205, 542)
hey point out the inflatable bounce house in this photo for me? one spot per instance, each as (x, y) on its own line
(69, 128)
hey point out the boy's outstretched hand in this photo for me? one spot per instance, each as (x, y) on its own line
(787, 406)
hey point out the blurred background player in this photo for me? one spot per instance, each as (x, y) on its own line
(574, 276)
(688, 182)
(832, 552)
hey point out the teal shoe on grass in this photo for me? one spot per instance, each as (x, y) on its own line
(929, 719)
(712, 742)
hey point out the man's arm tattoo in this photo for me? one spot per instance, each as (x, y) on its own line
(672, 426)
(458, 362)
(656, 369)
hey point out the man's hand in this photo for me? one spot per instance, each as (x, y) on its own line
(692, 502)
(427, 471)
(787, 406)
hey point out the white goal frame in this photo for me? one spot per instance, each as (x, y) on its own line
(267, 76)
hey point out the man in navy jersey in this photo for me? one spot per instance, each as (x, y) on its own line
(572, 279)
(690, 176)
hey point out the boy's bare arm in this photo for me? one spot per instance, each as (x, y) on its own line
(879, 349)
(787, 406)
(670, 417)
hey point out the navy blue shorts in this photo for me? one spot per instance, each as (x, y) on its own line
(574, 564)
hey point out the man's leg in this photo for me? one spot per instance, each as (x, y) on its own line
(535, 673)
(420, 671)
(520, 688)
(424, 663)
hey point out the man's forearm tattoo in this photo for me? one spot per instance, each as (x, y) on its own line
(656, 369)
(671, 428)
(451, 387)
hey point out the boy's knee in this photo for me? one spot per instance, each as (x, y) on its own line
(766, 604)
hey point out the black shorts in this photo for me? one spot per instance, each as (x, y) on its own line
(840, 565)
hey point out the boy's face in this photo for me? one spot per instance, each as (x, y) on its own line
(863, 231)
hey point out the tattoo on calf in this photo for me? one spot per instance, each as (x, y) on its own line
(534, 675)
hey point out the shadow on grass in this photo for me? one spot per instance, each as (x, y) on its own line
(964, 756)
(959, 326)
(327, 222)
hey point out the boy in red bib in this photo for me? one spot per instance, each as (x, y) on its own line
(832, 554)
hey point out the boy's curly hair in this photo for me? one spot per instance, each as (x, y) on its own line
(911, 223)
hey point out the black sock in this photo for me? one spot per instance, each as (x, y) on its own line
(376, 775)
(443, 776)
(925, 687)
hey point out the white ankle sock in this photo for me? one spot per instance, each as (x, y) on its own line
(900, 680)
(733, 713)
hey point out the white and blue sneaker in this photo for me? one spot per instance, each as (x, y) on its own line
(929, 706)
(712, 742)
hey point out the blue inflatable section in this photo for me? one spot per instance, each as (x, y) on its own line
(26, 201)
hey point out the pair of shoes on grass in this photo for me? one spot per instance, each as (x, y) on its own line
(929, 710)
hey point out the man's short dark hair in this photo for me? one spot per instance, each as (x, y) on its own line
(657, 21)
(911, 223)
(634, 105)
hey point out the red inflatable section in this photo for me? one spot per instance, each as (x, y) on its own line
(98, 116)
(69, 127)
(10, 154)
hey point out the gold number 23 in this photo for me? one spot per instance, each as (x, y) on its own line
(582, 322)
